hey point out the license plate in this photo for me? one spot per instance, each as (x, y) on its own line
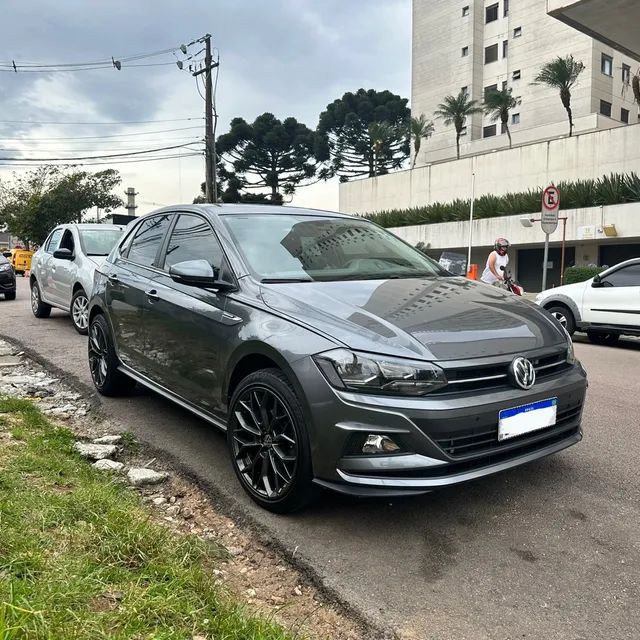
(529, 417)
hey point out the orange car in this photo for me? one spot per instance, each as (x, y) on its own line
(21, 260)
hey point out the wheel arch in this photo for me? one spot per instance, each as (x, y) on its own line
(564, 301)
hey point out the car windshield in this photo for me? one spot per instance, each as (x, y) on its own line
(99, 242)
(306, 248)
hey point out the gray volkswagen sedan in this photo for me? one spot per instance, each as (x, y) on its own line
(332, 353)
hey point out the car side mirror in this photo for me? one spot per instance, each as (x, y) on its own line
(597, 282)
(198, 273)
(63, 254)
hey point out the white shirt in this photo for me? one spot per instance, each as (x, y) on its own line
(501, 261)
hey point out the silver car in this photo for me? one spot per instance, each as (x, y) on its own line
(62, 269)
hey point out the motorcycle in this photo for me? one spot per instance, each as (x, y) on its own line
(510, 285)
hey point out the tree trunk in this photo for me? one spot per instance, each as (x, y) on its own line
(416, 151)
(565, 96)
(458, 144)
(506, 128)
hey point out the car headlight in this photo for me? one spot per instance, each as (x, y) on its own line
(368, 373)
(571, 356)
(5, 266)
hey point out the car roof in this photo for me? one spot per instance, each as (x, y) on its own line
(93, 225)
(625, 263)
(217, 210)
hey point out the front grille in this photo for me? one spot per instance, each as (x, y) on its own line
(490, 377)
(471, 442)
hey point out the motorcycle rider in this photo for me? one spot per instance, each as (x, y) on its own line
(496, 263)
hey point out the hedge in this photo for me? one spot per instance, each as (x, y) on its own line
(616, 188)
(580, 274)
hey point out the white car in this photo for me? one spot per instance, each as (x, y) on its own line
(62, 269)
(606, 306)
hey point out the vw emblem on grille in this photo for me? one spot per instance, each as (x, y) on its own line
(522, 373)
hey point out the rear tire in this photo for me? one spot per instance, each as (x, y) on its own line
(80, 312)
(40, 309)
(564, 316)
(269, 443)
(10, 295)
(608, 339)
(103, 361)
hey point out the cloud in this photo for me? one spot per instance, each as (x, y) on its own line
(289, 57)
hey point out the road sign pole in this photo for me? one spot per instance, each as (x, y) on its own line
(545, 261)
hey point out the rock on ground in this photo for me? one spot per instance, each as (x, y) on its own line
(108, 465)
(108, 440)
(138, 477)
(95, 451)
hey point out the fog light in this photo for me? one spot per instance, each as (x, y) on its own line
(379, 444)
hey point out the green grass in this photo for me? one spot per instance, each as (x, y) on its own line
(80, 557)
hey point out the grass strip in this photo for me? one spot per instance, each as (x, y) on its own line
(81, 558)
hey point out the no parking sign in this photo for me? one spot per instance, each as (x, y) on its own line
(550, 207)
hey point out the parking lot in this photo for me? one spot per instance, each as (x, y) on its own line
(550, 550)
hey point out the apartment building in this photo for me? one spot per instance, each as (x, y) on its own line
(480, 45)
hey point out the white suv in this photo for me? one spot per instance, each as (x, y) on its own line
(606, 306)
(62, 269)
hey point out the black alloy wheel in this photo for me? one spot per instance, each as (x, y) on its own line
(268, 442)
(103, 362)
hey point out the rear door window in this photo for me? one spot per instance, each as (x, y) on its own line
(147, 240)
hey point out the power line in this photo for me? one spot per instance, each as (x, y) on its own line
(117, 155)
(113, 162)
(113, 135)
(70, 69)
(75, 150)
(113, 123)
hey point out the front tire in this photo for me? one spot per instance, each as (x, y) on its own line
(564, 316)
(40, 309)
(80, 312)
(607, 339)
(103, 361)
(269, 444)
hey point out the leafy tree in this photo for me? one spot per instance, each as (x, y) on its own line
(498, 105)
(269, 153)
(561, 73)
(421, 129)
(455, 110)
(34, 203)
(345, 134)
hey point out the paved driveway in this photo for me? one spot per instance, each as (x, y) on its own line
(549, 551)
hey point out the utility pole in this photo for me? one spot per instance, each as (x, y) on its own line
(131, 205)
(209, 140)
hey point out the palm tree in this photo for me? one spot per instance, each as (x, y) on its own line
(380, 134)
(498, 104)
(561, 73)
(454, 110)
(420, 128)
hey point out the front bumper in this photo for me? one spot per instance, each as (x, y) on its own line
(446, 439)
(7, 281)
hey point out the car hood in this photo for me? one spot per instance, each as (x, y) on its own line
(566, 289)
(437, 318)
(98, 261)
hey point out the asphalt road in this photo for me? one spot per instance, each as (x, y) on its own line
(551, 550)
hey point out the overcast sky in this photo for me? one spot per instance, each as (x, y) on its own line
(289, 57)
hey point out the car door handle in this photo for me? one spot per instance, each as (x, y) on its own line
(113, 278)
(152, 294)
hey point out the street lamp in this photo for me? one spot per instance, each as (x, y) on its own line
(527, 221)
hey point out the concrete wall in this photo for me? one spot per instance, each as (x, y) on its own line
(590, 155)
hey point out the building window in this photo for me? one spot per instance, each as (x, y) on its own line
(605, 108)
(504, 85)
(516, 74)
(491, 54)
(491, 13)
(517, 32)
(624, 115)
(490, 89)
(506, 8)
(465, 11)
(489, 131)
(505, 48)
(515, 118)
(606, 65)
(463, 131)
(465, 52)
(626, 73)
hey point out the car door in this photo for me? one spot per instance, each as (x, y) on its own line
(129, 278)
(615, 300)
(64, 272)
(44, 273)
(187, 326)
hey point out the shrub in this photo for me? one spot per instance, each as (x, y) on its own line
(580, 274)
(612, 189)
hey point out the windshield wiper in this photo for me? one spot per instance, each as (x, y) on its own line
(284, 280)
